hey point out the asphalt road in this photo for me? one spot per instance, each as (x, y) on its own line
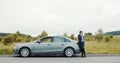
(59, 59)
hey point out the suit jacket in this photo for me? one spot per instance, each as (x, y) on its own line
(81, 44)
(79, 38)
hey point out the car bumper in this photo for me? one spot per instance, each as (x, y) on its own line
(15, 51)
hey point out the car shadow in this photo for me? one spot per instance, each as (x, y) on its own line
(46, 56)
(75, 56)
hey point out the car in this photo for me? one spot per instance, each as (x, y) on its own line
(48, 45)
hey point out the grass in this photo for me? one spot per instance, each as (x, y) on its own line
(6, 49)
(92, 47)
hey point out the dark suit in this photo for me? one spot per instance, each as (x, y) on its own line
(81, 46)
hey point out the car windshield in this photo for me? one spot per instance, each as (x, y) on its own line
(46, 39)
(37, 40)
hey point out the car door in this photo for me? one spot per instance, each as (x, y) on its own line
(44, 45)
(57, 44)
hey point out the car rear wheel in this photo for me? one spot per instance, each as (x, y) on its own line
(25, 52)
(69, 52)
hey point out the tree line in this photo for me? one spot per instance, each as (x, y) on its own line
(18, 37)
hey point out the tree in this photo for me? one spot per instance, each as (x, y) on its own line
(0, 39)
(99, 35)
(88, 36)
(100, 31)
(72, 36)
(28, 38)
(44, 33)
(65, 34)
(18, 33)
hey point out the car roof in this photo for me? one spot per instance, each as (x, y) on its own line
(59, 36)
(54, 36)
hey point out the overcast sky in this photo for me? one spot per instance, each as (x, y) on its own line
(59, 16)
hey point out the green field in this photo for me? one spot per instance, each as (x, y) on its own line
(92, 47)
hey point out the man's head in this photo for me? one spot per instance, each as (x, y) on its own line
(81, 32)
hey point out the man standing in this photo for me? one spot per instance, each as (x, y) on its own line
(81, 44)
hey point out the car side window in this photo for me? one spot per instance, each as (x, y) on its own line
(66, 40)
(47, 39)
(58, 39)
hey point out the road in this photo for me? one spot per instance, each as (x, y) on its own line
(57, 59)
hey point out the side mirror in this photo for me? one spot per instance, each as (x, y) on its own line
(38, 41)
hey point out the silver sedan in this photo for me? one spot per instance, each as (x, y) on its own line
(48, 45)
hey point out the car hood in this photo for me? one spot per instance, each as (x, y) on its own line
(23, 44)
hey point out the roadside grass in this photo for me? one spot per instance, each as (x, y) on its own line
(93, 47)
(6, 49)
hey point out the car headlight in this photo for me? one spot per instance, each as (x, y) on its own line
(16, 47)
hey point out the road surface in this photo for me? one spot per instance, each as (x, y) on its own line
(57, 59)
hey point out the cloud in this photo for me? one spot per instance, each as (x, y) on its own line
(59, 16)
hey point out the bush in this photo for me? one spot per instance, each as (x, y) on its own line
(88, 36)
(107, 38)
(19, 39)
(7, 40)
(99, 37)
(115, 39)
(0, 39)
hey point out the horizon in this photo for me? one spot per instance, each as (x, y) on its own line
(57, 17)
(55, 34)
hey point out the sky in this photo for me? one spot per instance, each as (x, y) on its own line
(59, 16)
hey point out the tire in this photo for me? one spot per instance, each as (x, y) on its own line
(25, 52)
(69, 52)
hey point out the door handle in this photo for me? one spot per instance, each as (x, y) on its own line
(62, 44)
(48, 44)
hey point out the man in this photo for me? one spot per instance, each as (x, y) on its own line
(81, 44)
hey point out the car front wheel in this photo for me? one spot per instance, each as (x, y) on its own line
(24, 52)
(69, 52)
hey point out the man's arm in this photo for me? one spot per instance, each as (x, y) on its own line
(79, 38)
